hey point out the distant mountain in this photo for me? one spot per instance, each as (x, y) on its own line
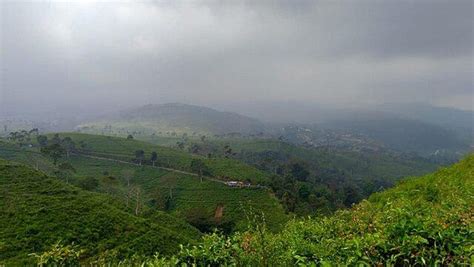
(402, 134)
(180, 118)
(442, 116)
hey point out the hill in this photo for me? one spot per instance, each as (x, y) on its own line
(174, 119)
(422, 221)
(106, 164)
(182, 195)
(37, 210)
(334, 177)
(442, 116)
(124, 149)
(402, 134)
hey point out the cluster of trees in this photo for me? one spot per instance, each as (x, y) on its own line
(197, 166)
(305, 190)
(140, 157)
(23, 137)
(57, 148)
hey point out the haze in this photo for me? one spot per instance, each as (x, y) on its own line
(98, 56)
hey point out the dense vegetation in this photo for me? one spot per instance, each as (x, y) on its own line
(312, 180)
(37, 211)
(404, 134)
(422, 221)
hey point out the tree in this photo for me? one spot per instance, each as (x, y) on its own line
(198, 166)
(154, 157)
(89, 183)
(65, 169)
(138, 202)
(228, 151)
(194, 148)
(68, 145)
(56, 139)
(34, 131)
(42, 140)
(180, 144)
(54, 151)
(298, 171)
(128, 175)
(139, 156)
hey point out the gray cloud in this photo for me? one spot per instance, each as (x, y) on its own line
(123, 53)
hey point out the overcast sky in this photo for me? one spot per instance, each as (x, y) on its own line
(90, 54)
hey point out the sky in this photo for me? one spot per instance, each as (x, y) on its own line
(92, 55)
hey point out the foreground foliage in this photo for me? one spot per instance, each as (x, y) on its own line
(422, 221)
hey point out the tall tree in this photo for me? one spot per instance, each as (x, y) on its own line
(42, 140)
(128, 175)
(68, 145)
(198, 166)
(56, 139)
(65, 169)
(54, 151)
(139, 156)
(154, 157)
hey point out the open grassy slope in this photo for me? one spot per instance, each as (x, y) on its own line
(37, 211)
(122, 148)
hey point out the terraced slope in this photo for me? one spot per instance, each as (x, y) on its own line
(186, 196)
(182, 195)
(121, 148)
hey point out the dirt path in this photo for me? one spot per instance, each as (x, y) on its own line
(157, 167)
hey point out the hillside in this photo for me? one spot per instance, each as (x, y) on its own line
(106, 165)
(183, 195)
(422, 221)
(121, 148)
(37, 211)
(336, 177)
(174, 119)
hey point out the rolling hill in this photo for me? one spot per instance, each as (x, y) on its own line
(37, 210)
(124, 149)
(104, 163)
(402, 134)
(174, 119)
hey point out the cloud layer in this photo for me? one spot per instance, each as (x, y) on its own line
(123, 53)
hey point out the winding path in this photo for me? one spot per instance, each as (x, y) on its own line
(157, 167)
